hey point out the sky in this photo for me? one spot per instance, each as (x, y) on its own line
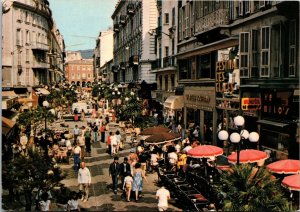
(80, 21)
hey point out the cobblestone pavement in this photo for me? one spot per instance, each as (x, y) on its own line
(101, 196)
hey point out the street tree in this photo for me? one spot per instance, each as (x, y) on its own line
(247, 188)
(30, 172)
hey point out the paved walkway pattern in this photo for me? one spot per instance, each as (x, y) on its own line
(102, 197)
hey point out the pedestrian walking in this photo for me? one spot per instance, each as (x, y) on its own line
(114, 171)
(81, 142)
(75, 115)
(163, 195)
(124, 169)
(84, 181)
(95, 131)
(82, 115)
(114, 143)
(76, 132)
(102, 131)
(138, 177)
(87, 137)
(76, 153)
(73, 202)
(108, 144)
(127, 186)
(118, 138)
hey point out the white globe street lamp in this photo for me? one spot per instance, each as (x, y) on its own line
(241, 135)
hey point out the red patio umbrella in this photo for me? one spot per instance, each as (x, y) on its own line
(205, 151)
(248, 156)
(287, 166)
(154, 130)
(292, 182)
(162, 138)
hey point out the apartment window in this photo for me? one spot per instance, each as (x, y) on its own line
(265, 52)
(166, 82)
(160, 82)
(18, 41)
(173, 82)
(78, 76)
(33, 19)
(173, 16)
(27, 55)
(73, 76)
(292, 48)
(27, 37)
(191, 19)
(254, 53)
(27, 76)
(89, 76)
(27, 17)
(180, 27)
(187, 22)
(167, 51)
(166, 18)
(244, 54)
(19, 15)
(83, 68)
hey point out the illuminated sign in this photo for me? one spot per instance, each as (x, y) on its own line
(251, 103)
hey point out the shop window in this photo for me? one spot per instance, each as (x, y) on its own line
(265, 52)
(244, 54)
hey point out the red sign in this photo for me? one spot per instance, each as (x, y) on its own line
(251, 103)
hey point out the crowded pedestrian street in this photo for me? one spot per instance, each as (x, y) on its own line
(101, 196)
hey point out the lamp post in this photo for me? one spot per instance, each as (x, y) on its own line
(240, 136)
(46, 105)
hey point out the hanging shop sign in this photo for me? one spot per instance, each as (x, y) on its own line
(251, 103)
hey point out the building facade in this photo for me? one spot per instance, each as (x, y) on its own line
(29, 38)
(134, 46)
(241, 57)
(165, 65)
(80, 72)
(103, 52)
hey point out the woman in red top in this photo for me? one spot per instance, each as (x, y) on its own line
(102, 130)
(108, 144)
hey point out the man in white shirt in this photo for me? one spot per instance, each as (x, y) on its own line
(113, 143)
(84, 181)
(118, 137)
(163, 195)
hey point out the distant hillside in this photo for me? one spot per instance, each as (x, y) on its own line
(87, 54)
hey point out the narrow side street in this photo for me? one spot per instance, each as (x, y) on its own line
(101, 196)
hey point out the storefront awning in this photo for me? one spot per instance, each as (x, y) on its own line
(174, 102)
(9, 94)
(273, 123)
(42, 91)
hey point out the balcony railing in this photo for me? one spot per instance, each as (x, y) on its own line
(216, 18)
(130, 9)
(123, 19)
(156, 64)
(39, 46)
(116, 28)
(40, 64)
(168, 61)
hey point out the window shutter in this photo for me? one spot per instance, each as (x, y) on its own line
(244, 54)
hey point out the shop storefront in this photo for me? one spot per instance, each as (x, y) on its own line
(173, 107)
(278, 123)
(199, 109)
